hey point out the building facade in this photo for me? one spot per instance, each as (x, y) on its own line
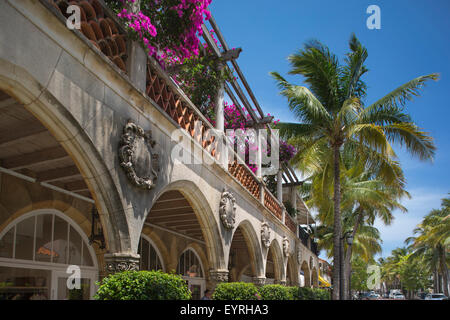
(88, 177)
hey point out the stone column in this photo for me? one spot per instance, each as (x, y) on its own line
(137, 57)
(219, 105)
(280, 186)
(118, 262)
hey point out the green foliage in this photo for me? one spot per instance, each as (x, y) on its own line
(143, 285)
(248, 291)
(200, 78)
(236, 291)
(275, 292)
(359, 274)
(305, 293)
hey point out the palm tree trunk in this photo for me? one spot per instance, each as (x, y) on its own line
(348, 259)
(444, 269)
(337, 226)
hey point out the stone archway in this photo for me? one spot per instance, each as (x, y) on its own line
(292, 278)
(306, 274)
(18, 84)
(181, 216)
(274, 263)
(246, 260)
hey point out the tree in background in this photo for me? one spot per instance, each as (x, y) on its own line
(332, 114)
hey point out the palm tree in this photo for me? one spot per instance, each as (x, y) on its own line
(363, 199)
(332, 114)
(433, 238)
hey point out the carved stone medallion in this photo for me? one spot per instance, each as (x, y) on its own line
(286, 246)
(265, 234)
(137, 156)
(227, 209)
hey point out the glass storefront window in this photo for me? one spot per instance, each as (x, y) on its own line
(24, 284)
(7, 244)
(25, 239)
(46, 238)
(189, 265)
(60, 244)
(75, 247)
(44, 229)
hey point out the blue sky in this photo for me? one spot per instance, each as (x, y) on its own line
(413, 41)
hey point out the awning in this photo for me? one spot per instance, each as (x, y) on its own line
(323, 282)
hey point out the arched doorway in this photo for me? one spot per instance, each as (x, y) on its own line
(36, 250)
(305, 276)
(245, 258)
(191, 269)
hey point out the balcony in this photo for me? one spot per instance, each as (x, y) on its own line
(105, 34)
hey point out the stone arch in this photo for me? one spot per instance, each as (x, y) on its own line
(253, 246)
(205, 217)
(306, 274)
(292, 275)
(278, 260)
(19, 84)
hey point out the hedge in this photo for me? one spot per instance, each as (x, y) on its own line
(248, 291)
(236, 291)
(143, 285)
(275, 292)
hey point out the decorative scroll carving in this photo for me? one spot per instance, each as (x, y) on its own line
(120, 262)
(286, 246)
(227, 209)
(137, 156)
(265, 234)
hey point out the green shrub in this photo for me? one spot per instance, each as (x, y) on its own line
(143, 285)
(321, 294)
(236, 291)
(275, 292)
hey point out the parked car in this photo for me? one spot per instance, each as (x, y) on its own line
(373, 296)
(422, 295)
(398, 296)
(436, 296)
(393, 292)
